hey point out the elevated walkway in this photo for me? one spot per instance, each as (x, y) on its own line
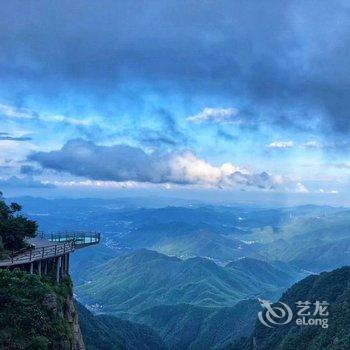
(48, 250)
(81, 239)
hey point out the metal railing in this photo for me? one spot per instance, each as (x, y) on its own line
(63, 242)
(80, 238)
(33, 254)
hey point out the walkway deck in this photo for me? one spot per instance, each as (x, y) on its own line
(56, 245)
(43, 250)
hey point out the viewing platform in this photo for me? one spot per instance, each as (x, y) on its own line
(50, 252)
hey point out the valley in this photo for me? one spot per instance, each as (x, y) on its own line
(192, 273)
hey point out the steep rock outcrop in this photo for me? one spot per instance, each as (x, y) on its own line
(37, 314)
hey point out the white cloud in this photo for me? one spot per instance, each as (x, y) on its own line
(312, 144)
(321, 190)
(345, 165)
(13, 112)
(96, 184)
(280, 145)
(120, 163)
(24, 182)
(58, 118)
(217, 115)
(24, 113)
(300, 188)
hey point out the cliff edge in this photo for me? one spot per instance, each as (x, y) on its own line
(37, 314)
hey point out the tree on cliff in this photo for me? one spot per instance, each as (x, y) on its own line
(14, 227)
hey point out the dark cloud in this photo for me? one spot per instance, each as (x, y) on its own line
(289, 58)
(124, 163)
(30, 170)
(114, 163)
(170, 126)
(155, 138)
(168, 133)
(23, 182)
(7, 137)
(226, 135)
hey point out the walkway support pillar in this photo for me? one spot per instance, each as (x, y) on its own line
(58, 268)
(68, 264)
(31, 267)
(39, 267)
(45, 267)
(64, 265)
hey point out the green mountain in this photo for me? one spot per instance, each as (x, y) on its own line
(295, 235)
(89, 257)
(333, 287)
(282, 274)
(144, 279)
(195, 327)
(324, 256)
(105, 332)
(203, 243)
(314, 243)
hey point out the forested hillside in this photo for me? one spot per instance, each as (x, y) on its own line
(144, 279)
(36, 314)
(105, 332)
(333, 287)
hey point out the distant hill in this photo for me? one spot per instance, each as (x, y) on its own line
(105, 332)
(186, 229)
(324, 256)
(144, 279)
(203, 243)
(282, 274)
(333, 287)
(194, 327)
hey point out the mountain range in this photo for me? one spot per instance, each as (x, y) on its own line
(332, 287)
(144, 279)
(189, 303)
(105, 332)
(191, 274)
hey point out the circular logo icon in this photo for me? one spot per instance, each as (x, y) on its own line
(276, 315)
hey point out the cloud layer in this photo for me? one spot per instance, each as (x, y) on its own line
(288, 57)
(4, 136)
(124, 163)
(23, 182)
(280, 144)
(13, 112)
(216, 115)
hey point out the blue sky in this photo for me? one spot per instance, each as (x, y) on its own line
(176, 97)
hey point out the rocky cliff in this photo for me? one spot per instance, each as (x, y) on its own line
(37, 314)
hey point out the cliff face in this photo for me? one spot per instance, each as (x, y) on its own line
(72, 316)
(36, 314)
